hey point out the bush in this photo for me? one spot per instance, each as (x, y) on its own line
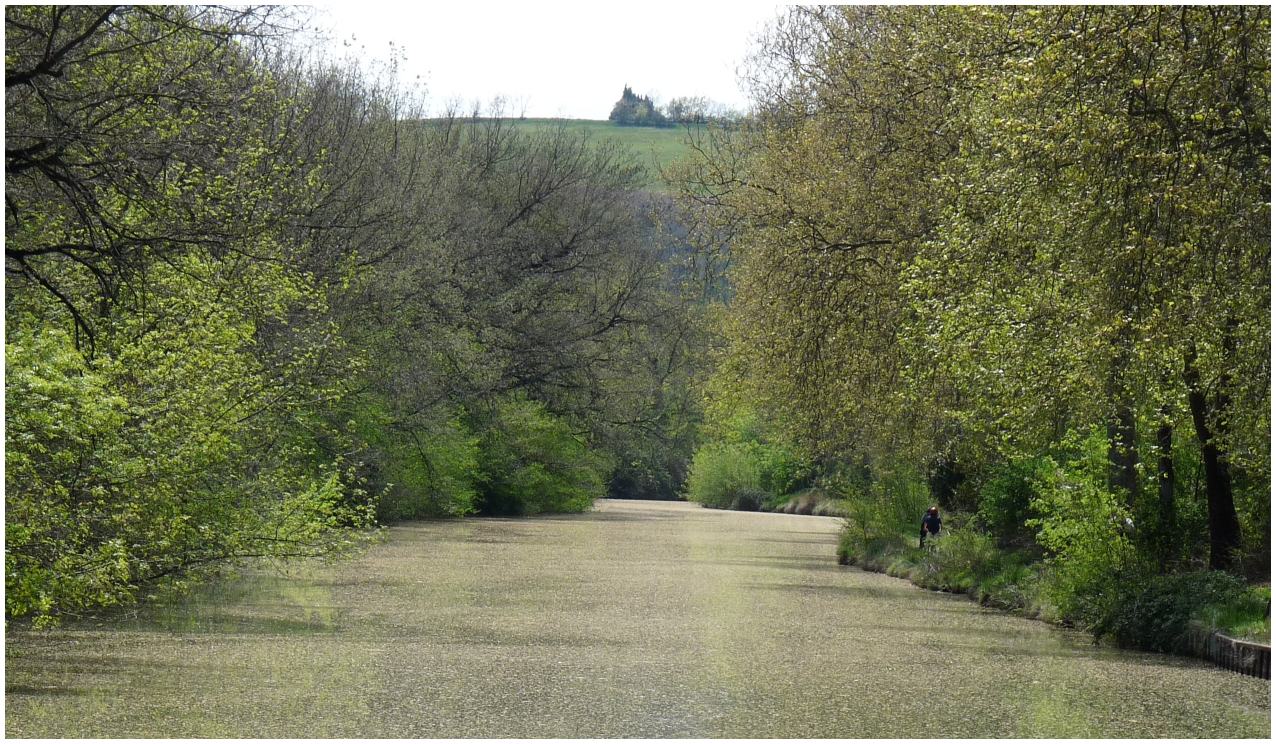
(888, 511)
(828, 507)
(1156, 613)
(1015, 586)
(1246, 616)
(721, 471)
(964, 558)
(747, 499)
(744, 463)
(1005, 501)
(172, 450)
(741, 475)
(429, 472)
(1082, 525)
(876, 554)
(531, 463)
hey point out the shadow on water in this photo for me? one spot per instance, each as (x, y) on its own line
(1052, 644)
(785, 563)
(828, 539)
(362, 582)
(874, 592)
(241, 623)
(99, 671)
(44, 691)
(251, 603)
(615, 516)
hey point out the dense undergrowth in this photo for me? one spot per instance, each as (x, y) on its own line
(1143, 610)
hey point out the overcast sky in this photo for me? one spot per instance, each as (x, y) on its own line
(555, 60)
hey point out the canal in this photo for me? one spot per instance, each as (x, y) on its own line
(639, 619)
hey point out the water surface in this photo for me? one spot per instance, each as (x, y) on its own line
(640, 619)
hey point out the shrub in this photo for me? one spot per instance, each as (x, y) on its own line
(532, 463)
(1247, 615)
(1082, 527)
(888, 511)
(1005, 501)
(827, 507)
(430, 472)
(721, 471)
(747, 499)
(1156, 612)
(964, 558)
(745, 463)
(173, 449)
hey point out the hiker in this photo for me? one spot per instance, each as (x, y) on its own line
(930, 523)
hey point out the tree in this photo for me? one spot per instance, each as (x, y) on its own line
(1132, 156)
(156, 422)
(698, 110)
(633, 110)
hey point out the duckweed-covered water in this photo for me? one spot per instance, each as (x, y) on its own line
(640, 619)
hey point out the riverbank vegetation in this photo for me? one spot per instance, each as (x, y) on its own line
(1014, 262)
(257, 303)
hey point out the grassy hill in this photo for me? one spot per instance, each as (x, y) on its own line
(654, 147)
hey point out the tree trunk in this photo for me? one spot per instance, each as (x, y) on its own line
(1123, 452)
(1123, 455)
(1167, 527)
(1225, 528)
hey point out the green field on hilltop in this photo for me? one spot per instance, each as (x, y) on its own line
(655, 147)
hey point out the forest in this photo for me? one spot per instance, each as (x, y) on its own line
(1013, 262)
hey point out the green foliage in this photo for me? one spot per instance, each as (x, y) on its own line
(968, 561)
(955, 235)
(1083, 527)
(1005, 500)
(1247, 616)
(1016, 586)
(886, 511)
(531, 462)
(743, 466)
(633, 110)
(245, 290)
(522, 262)
(166, 357)
(168, 452)
(965, 558)
(725, 475)
(1157, 612)
(429, 471)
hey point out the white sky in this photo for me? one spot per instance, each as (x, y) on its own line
(555, 59)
